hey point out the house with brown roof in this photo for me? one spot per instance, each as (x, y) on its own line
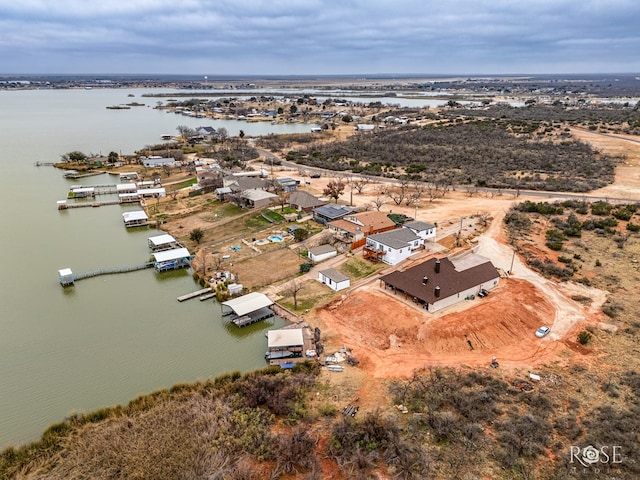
(440, 282)
(352, 229)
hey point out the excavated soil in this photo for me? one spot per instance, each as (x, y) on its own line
(392, 338)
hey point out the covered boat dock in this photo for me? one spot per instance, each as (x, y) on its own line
(136, 218)
(162, 242)
(248, 309)
(172, 259)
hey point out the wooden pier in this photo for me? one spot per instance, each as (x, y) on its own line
(195, 294)
(110, 271)
(65, 206)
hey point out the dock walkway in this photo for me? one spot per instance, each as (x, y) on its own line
(65, 206)
(110, 271)
(195, 294)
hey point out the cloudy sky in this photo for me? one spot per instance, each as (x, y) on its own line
(307, 37)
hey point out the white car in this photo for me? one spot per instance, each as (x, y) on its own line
(542, 331)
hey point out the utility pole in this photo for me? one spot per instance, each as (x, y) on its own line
(512, 259)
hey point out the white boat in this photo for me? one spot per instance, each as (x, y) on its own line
(276, 355)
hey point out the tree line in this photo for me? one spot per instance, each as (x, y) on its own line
(480, 152)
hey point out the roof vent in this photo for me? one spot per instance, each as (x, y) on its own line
(425, 279)
(438, 265)
(436, 291)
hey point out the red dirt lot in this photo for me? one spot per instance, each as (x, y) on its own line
(392, 337)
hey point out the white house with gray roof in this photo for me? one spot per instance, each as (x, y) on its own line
(393, 246)
(426, 231)
(321, 252)
(334, 279)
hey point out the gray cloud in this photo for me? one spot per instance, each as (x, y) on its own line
(318, 36)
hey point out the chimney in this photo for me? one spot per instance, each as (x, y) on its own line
(436, 291)
(438, 265)
(425, 279)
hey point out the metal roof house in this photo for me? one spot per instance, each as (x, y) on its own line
(288, 184)
(440, 282)
(330, 212)
(247, 309)
(256, 198)
(171, 259)
(334, 279)
(136, 218)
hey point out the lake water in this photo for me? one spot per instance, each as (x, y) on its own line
(107, 339)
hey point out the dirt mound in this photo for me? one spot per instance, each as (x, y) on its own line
(391, 337)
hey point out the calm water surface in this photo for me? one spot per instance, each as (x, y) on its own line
(110, 338)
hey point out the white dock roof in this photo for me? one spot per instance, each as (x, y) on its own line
(286, 337)
(169, 255)
(161, 192)
(248, 303)
(126, 187)
(161, 240)
(135, 215)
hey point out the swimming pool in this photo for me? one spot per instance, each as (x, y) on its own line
(275, 238)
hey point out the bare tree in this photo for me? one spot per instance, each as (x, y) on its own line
(360, 183)
(217, 262)
(294, 287)
(399, 194)
(222, 134)
(484, 219)
(415, 194)
(186, 132)
(378, 202)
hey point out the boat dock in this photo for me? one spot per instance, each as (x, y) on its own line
(195, 294)
(253, 317)
(109, 189)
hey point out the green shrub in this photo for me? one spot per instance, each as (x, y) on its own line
(584, 337)
(305, 267)
(633, 227)
(554, 239)
(601, 208)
